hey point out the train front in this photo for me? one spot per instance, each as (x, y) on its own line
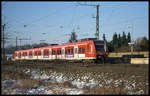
(101, 50)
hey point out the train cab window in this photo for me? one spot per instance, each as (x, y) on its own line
(83, 50)
(79, 50)
(72, 51)
(75, 50)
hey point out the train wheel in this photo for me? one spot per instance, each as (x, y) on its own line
(100, 60)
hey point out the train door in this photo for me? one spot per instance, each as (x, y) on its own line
(76, 52)
(88, 51)
(63, 53)
(81, 51)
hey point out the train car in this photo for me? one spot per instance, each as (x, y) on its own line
(84, 50)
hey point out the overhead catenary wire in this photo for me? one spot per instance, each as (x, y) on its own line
(45, 17)
(73, 16)
(129, 20)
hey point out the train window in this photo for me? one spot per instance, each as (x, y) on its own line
(22, 53)
(99, 48)
(60, 51)
(72, 51)
(35, 53)
(65, 51)
(57, 51)
(19, 53)
(25, 54)
(79, 50)
(46, 52)
(53, 52)
(75, 50)
(68, 51)
(30, 53)
(83, 50)
(39, 52)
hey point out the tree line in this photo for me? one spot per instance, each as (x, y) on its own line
(119, 43)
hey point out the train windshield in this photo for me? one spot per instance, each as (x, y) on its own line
(99, 45)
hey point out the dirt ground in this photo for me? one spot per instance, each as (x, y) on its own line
(13, 70)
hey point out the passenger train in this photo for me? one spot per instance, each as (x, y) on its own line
(83, 50)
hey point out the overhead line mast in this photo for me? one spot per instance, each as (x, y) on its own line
(97, 18)
(97, 22)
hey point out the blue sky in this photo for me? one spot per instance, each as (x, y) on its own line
(58, 19)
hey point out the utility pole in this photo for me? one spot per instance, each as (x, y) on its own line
(16, 43)
(132, 41)
(3, 54)
(97, 22)
(20, 40)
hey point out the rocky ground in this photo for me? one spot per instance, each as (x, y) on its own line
(73, 78)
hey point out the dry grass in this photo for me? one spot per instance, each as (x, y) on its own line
(13, 71)
(103, 91)
(27, 83)
(13, 74)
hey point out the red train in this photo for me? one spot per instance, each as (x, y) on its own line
(90, 49)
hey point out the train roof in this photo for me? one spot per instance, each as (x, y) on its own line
(52, 46)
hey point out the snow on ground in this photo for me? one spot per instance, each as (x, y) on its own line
(79, 81)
